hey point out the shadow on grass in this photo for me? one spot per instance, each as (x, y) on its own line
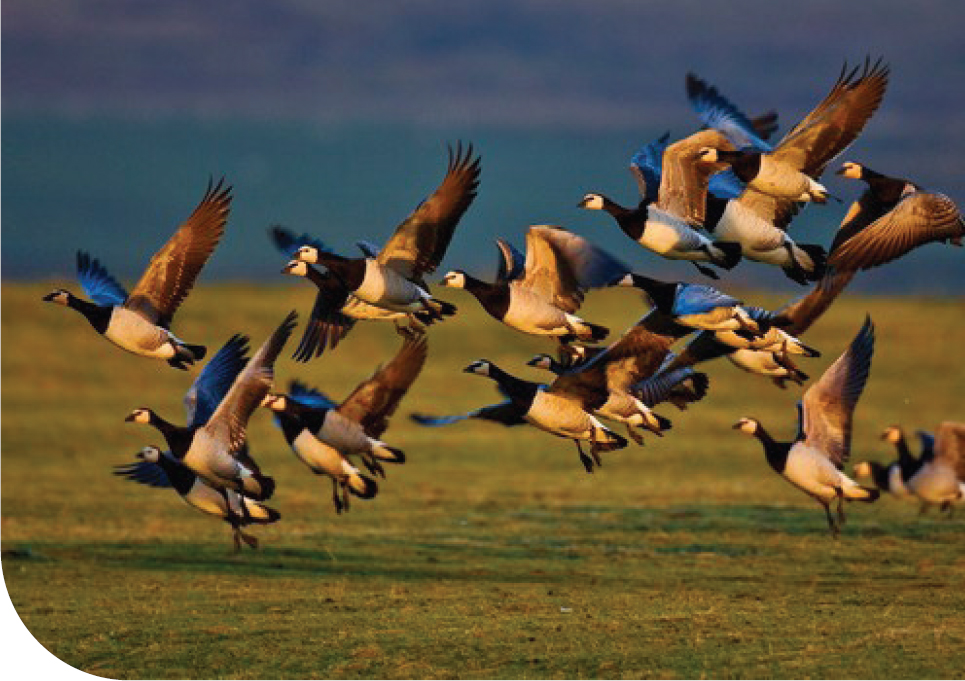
(528, 545)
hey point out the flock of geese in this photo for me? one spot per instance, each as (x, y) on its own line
(716, 197)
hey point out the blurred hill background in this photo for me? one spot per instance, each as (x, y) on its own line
(332, 117)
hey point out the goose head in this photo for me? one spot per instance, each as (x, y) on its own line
(150, 453)
(307, 254)
(892, 434)
(454, 279)
(748, 425)
(140, 415)
(297, 268)
(708, 155)
(852, 170)
(483, 367)
(862, 469)
(275, 402)
(592, 201)
(542, 361)
(60, 297)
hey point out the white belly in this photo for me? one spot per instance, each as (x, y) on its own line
(559, 416)
(132, 332)
(935, 483)
(531, 314)
(670, 236)
(387, 288)
(317, 455)
(813, 473)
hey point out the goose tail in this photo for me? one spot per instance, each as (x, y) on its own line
(383, 452)
(362, 486)
(725, 254)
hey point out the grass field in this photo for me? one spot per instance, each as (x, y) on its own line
(490, 553)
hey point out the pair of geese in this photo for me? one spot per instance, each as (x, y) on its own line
(936, 477)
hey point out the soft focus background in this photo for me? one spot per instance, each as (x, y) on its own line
(490, 553)
(332, 117)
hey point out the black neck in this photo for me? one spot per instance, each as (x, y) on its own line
(493, 297)
(662, 324)
(775, 452)
(300, 417)
(99, 316)
(879, 475)
(329, 284)
(519, 391)
(178, 437)
(182, 478)
(631, 220)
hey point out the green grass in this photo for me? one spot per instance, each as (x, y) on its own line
(490, 553)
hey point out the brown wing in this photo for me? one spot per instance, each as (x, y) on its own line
(547, 272)
(173, 269)
(835, 123)
(683, 180)
(919, 218)
(827, 407)
(636, 356)
(950, 446)
(775, 211)
(229, 422)
(420, 242)
(374, 401)
(803, 312)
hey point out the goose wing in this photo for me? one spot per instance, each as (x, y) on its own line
(327, 324)
(229, 421)
(636, 356)
(716, 111)
(420, 242)
(214, 381)
(827, 408)
(97, 282)
(685, 179)
(836, 122)
(173, 270)
(505, 413)
(700, 298)
(919, 218)
(375, 400)
(512, 263)
(146, 473)
(309, 397)
(288, 242)
(798, 315)
(950, 446)
(646, 166)
(561, 266)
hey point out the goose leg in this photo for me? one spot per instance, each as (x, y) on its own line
(706, 271)
(335, 498)
(840, 493)
(235, 535)
(345, 495)
(835, 530)
(249, 539)
(587, 461)
(634, 435)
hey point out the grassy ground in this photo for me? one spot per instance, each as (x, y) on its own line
(490, 553)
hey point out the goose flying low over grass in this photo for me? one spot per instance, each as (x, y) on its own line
(790, 170)
(892, 217)
(156, 468)
(394, 279)
(352, 427)
(140, 322)
(814, 461)
(891, 477)
(539, 295)
(214, 443)
(562, 409)
(336, 310)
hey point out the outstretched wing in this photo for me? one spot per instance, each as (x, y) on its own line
(837, 121)
(173, 270)
(919, 218)
(505, 413)
(685, 180)
(420, 242)
(716, 111)
(374, 401)
(144, 472)
(214, 381)
(229, 421)
(647, 166)
(288, 242)
(97, 282)
(512, 263)
(950, 446)
(827, 408)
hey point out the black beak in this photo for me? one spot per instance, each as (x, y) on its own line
(129, 418)
(50, 296)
